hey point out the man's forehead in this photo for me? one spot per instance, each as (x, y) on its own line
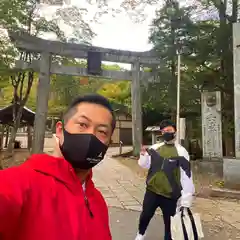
(84, 106)
(168, 128)
(84, 111)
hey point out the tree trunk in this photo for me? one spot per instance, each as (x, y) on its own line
(7, 137)
(21, 100)
(14, 130)
(2, 137)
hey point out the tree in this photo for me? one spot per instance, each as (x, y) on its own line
(171, 32)
(227, 13)
(118, 92)
(208, 62)
(64, 88)
(33, 23)
(24, 14)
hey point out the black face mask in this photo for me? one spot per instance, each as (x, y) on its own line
(168, 136)
(83, 151)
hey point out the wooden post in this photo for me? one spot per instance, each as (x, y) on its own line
(29, 136)
(7, 137)
(136, 109)
(53, 123)
(154, 138)
(42, 103)
(2, 136)
(182, 130)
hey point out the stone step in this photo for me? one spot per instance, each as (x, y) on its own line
(225, 193)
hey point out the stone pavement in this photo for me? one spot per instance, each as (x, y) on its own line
(124, 190)
(124, 224)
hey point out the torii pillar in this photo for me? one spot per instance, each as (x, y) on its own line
(136, 109)
(231, 167)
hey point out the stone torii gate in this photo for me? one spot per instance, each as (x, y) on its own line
(231, 166)
(46, 48)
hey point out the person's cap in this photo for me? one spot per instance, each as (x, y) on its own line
(167, 123)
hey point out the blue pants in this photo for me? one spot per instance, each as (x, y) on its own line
(150, 203)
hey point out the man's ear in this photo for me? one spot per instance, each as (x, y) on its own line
(59, 129)
(56, 138)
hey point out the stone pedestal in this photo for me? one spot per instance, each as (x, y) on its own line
(231, 172)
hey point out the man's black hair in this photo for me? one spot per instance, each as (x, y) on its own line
(90, 98)
(167, 123)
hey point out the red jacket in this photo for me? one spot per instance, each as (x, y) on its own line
(43, 200)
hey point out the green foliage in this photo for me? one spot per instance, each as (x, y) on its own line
(117, 92)
(205, 44)
(172, 31)
(65, 88)
(19, 15)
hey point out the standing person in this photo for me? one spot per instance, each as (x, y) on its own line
(159, 191)
(53, 197)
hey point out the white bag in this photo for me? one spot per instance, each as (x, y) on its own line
(186, 226)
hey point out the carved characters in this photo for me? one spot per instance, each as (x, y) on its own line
(211, 125)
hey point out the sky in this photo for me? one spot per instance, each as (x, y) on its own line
(122, 33)
(118, 32)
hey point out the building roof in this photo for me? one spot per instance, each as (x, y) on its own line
(6, 115)
(152, 129)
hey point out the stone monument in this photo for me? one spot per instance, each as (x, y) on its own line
(211, 125)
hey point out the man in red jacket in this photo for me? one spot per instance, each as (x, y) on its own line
(53, 197)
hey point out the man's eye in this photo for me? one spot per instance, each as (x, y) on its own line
(83, 125)
(103, 132)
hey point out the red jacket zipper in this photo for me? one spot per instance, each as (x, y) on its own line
(88, 206)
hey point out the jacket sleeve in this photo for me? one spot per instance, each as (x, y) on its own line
(188, 188)
(144, 161)
(11, 198)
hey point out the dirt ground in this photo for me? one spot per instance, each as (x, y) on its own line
(18, 157)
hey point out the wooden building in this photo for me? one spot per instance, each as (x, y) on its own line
(123, 130)
(6, 122)
(155, 133)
